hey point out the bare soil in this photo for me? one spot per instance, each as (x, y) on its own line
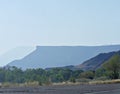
(64, 89)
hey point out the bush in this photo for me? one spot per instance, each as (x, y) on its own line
(72, 79)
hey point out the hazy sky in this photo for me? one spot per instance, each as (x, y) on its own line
(59, 22)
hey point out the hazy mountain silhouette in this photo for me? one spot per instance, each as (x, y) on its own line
(57, 56)
(15, 53)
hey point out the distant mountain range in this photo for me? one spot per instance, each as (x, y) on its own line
(58, 56)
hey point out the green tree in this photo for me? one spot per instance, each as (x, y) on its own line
(77, 73)
(2, 75)
(87, 74)
(100, 72)
(72, 79)
(112, 67)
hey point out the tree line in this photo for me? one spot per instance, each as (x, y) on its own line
(17, 75)
(109, 70)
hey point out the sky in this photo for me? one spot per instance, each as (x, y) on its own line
(58, 22)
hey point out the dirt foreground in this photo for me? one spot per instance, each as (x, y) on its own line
(64, 89)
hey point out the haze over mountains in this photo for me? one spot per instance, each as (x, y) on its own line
(58, 56)
(15, 53)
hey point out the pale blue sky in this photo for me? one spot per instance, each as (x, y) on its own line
(59, 22)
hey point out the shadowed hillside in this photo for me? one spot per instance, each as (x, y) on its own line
(96, 62)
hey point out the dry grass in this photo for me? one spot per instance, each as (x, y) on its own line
(35, 84)
(7, 84)
(90, 82)
(105, 82)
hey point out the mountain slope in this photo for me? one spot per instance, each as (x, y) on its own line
(15, 53)
(96, 62)
(57, 56)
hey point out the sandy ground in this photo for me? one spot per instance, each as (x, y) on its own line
(65, 89)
